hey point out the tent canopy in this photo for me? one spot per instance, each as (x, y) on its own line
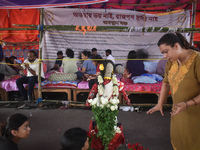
(31, 16)
(153, 5)
(19, 4)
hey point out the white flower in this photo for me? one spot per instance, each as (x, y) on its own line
(114, 101)
(117, 129)
(114, 79)
(112, 108)
(98, 104)
(93, 101)
(90, 100)
(108, 105)
(100, 89)
(116, 107)
(101, 105)
(100, 79)
(104, 100)
(115, 90)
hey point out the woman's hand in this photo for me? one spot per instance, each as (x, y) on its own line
(178, 108)
(158, 107)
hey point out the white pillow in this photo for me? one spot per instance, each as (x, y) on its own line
(144, 79)
(150, 66)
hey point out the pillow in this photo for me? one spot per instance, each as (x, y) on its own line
(158, 77)
(149, 75)
(144, 79)
(150, 67)
(154, 76)
(62, 77)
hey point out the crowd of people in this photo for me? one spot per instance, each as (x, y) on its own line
(181, 77)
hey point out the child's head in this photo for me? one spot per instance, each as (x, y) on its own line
(75, 139)
(16, 127)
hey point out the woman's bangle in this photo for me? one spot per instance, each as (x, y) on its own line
(195, 103)
(186, 105)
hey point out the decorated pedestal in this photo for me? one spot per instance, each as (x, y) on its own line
(96, 142)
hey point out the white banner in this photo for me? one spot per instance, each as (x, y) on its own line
(119, 42)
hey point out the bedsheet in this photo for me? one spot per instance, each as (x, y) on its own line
(83, 85)
(141, 87)
(9, 84)
(58, 84)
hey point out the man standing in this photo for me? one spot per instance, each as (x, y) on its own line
(31, 64)
(109, 56)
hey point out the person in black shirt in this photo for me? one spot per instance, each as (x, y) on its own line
(58, 61)
(75, 139)
(15, 128)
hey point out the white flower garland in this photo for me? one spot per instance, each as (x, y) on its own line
(101, 101)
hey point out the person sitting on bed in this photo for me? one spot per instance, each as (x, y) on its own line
(88, 67)
(97, 60)
(94, 53)
(58, 61)
(69, 63)
(11, 61)
(161, 67)
(31, 64)
(6, 69)
(133, 67)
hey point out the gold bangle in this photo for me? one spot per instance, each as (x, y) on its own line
(186, 105)
(195, 103)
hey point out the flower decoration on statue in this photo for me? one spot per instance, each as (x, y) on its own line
(105, 110)
(101, 67)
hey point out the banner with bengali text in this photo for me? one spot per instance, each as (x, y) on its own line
(119, 42)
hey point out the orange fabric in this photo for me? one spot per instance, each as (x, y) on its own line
(31, 16)
(16, 16)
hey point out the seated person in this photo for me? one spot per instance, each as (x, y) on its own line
(69, 63)
(15, 128)
(133, 67)
(31, 64)
(94, 53)
(58, 62)
(97, 60)
(88, 66)
(75, 139)
(142, 53)
(6, 69)
(161, 67)
(11, 61)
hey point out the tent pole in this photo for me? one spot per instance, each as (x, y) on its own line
(194, 7)
(40, 54)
